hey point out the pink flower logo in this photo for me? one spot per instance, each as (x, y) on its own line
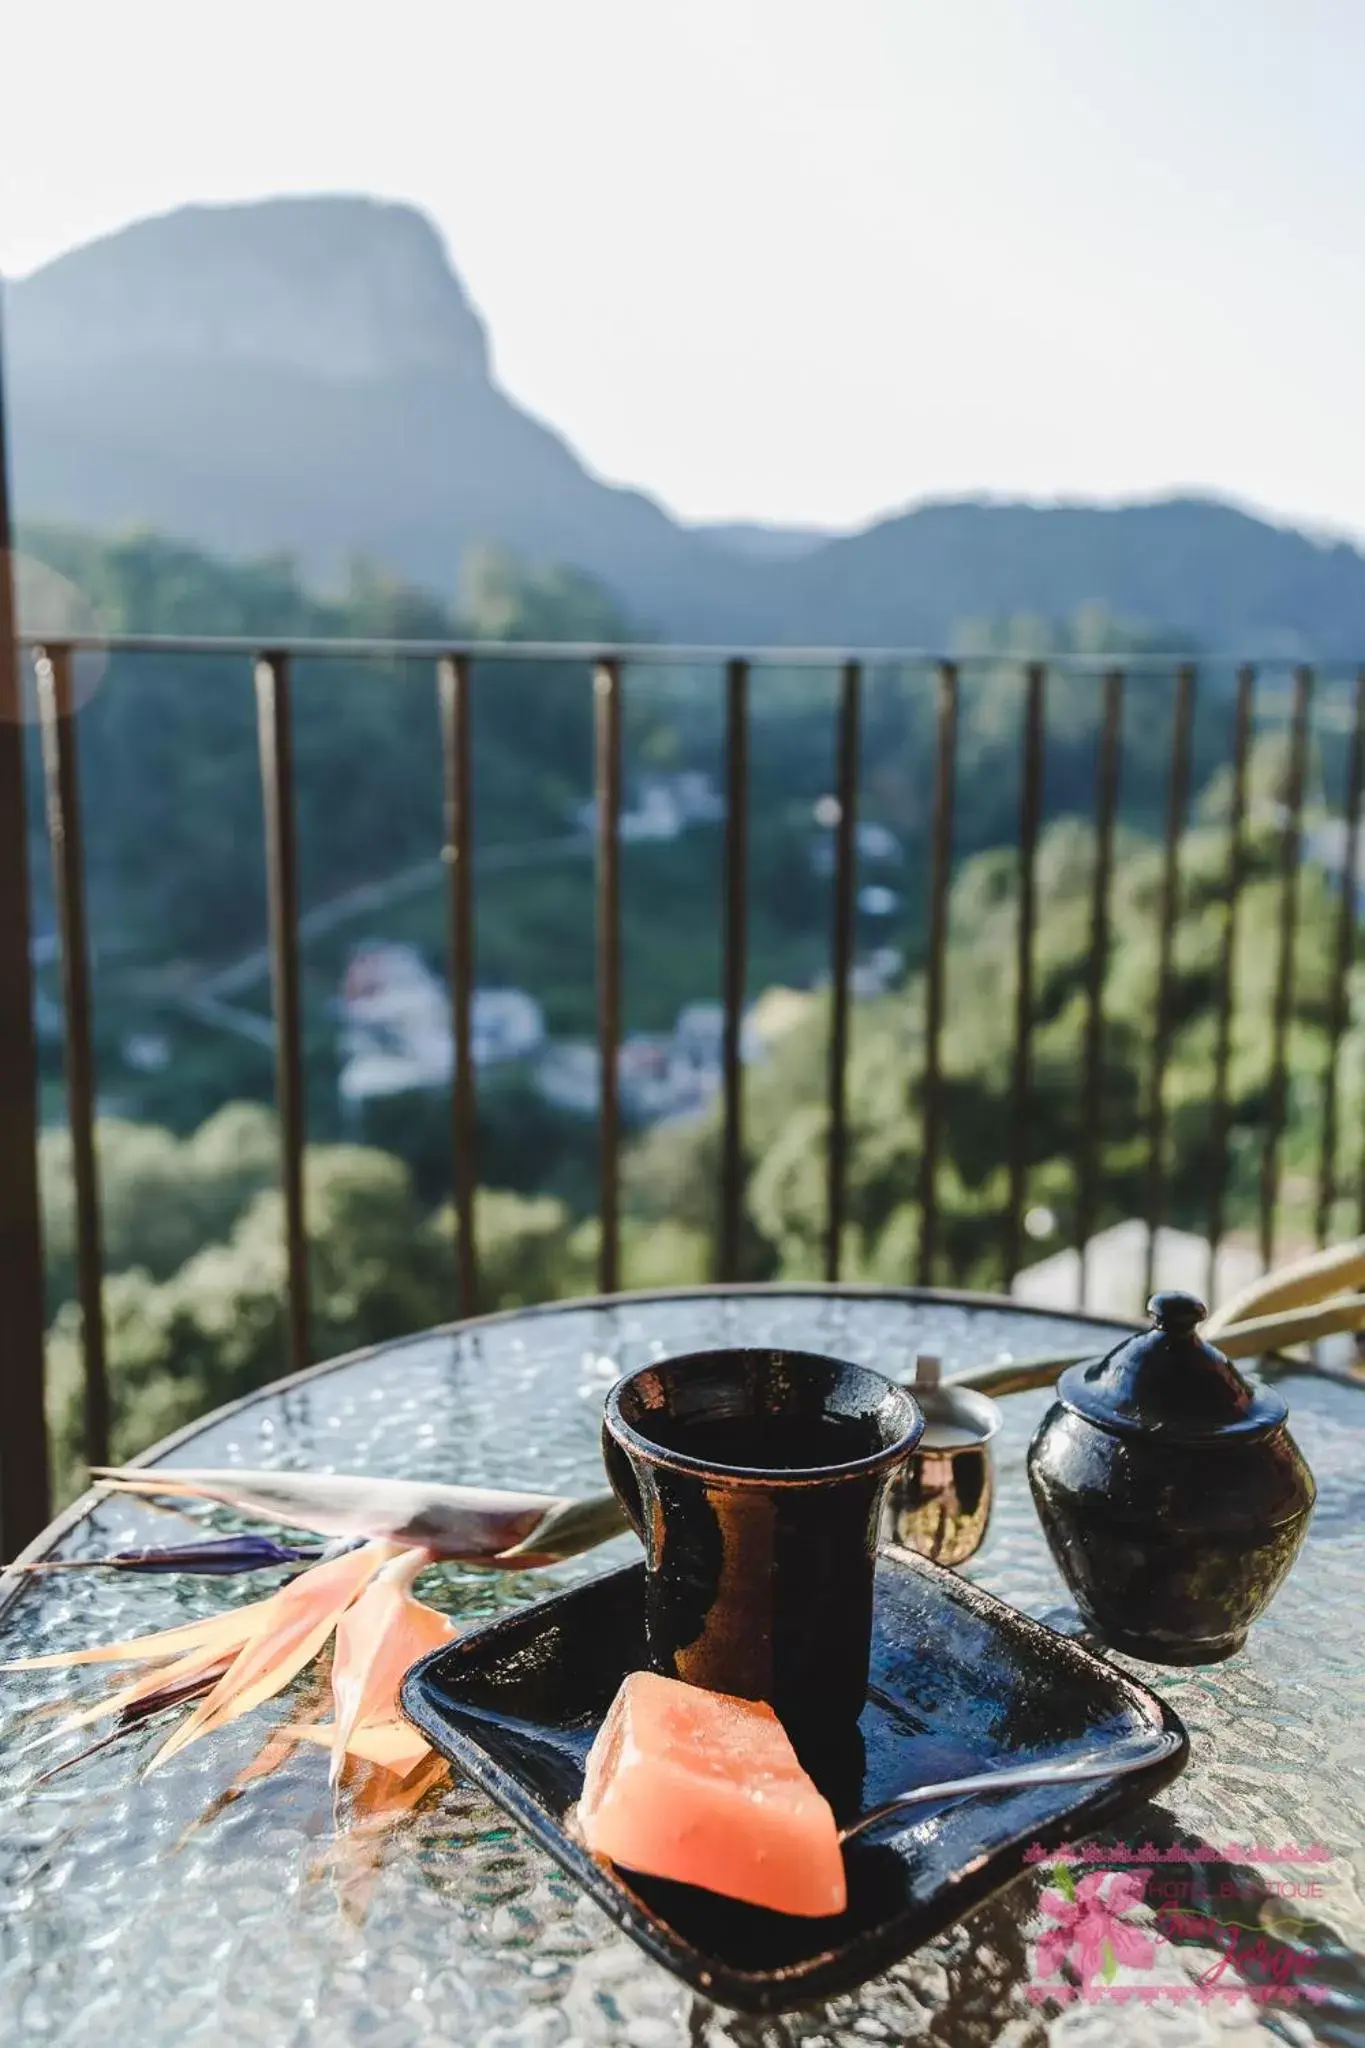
(1090, 1932)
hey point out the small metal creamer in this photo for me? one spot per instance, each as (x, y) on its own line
(939, 1500)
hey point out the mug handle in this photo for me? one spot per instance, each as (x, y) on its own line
(623, 1482)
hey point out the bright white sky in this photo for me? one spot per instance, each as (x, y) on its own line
(801, 260)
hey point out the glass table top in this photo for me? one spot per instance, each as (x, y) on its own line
(150, 1911)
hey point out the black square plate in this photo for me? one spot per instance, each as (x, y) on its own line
(959, 1682)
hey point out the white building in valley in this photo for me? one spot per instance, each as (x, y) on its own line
(661, 1075)
(662, 807)
(569, 1076)
(396, 1025)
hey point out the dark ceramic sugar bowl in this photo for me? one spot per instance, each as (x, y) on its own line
(1170, 1490)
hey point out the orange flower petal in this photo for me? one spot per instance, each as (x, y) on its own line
(392, 1745)
(188, 1666)
(379, 1639)
(380, 1798)
(306, 1612)
(225, 1630)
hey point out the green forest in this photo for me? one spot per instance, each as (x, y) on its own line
(189, 1167)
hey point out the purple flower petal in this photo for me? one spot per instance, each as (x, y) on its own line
(215, 1557)
(174, 1694)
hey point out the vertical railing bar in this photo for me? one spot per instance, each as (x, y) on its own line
(1177, 796)
(734, 964)
(1340, 1001)
(453, 677)
(1290, 844)
(841, 955)
(941, 859)
(1092, 1069)
(1222, 1052)
(1030, 807)
(24, 1492)
(275, 733)
(607, 779)
(56, 714)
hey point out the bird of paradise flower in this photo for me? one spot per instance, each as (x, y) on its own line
(361, 1601)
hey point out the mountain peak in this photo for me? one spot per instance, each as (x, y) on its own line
(338, 287)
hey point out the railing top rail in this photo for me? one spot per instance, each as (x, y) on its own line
(650, 652)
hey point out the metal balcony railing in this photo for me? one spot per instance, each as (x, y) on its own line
(23, 1484)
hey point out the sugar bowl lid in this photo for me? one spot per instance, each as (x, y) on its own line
(1169, 1383)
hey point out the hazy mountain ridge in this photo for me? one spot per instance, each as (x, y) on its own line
(756, 540)
(308, 376)
(345, 288)
(1230, 581)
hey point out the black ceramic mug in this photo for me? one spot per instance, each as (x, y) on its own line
(755, 1480)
